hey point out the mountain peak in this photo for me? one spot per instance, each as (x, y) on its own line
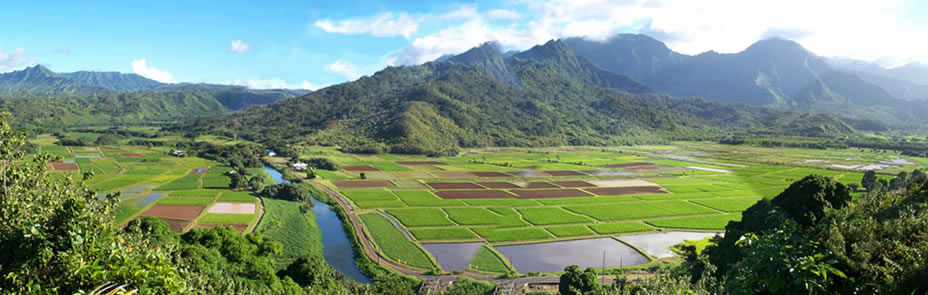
(551, 49)
(38, 70)
(777, 45)
(484, 52)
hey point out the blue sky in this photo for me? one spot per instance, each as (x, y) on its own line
(316, 43)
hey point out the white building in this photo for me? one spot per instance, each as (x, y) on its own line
(300, 166)
(177, 153)
(271, 153)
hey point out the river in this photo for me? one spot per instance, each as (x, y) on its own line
(336, 248)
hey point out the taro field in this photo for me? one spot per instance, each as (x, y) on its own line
(517, 196)
(185, 192)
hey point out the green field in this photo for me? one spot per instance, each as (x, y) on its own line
(710, 222)
(487, 261)
(284, 222)
(394, 243)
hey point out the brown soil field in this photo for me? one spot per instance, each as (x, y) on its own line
(360, 168)
(238, 227)
(498, 185)
(624, 165)
(630, 190)
(174, 224)
(565, 173)
(132, 155)
(454, 174)
(573, 183)
(534, 185)
(649, 167)
(175, 211)
(490, 174)
(65, 166)
(550, 193)
(420, 163)
(200, 172)
(363, 183)
(482, 194)
(453, 185)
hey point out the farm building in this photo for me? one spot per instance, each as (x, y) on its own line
(300, 166)
(177, 153)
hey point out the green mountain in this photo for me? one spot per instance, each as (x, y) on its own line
(113, 80)
(38, 79)
(38, 96)
(542, 97)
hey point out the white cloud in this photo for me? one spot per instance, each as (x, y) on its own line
(345, 69)
(466, 11)
(272, 84)
(860, 29)
(15, 60)
(63, 49)
(381, 25)
(502, 14)
(238, 46)
(140, 67)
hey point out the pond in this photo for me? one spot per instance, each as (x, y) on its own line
(336, 248)
(555, 256)
(453, 256)
(149, 199)
(658, 244)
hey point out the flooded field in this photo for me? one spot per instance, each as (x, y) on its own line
(453, 256)
(658, 244)
(554, 256)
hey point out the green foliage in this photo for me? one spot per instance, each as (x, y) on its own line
(295, 229)
(707, 222)
(619, 227)
(288, 192)
(187, 182)
(487, 261)
(576, 282)
(869, 180)
(470, 287)
(57, 237)
(420, 217)
(442, 233)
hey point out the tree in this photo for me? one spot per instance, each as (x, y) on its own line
(57, 237)
(574, 281)
(363, 176)
(853, 186)
(237, 181)
(256, 183)
(899, 181)
(869, 180)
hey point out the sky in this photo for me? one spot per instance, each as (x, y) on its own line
(312, 44)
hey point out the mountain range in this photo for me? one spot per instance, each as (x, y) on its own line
(38, 96)
(544, 96)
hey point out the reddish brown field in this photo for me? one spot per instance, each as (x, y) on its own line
(482, 194)
(363, 183)
(649, 167)
(360, 168)
(132, 155)
(535, 185)
(624, 165)
(573, 183)
(65, 166)
(630, 190)
(550, 193)
(490, 174)
(565, 173)
(492, 184)
(238, 227)
(201, 172)
(420, 163)
(453, 185)
(174, 224)
(175, 211)
(454, 174)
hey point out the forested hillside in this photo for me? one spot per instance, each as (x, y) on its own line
(542, 97)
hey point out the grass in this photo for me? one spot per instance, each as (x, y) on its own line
(550, 215)
(185, 200)
(227, 218)
(729, 204)
(619, 227)
(369, 195)
(412, 217)
(124, 211)
(237, 197)
(195, 193)
(297, 231)
(394, 243)
(710, 222)
(609, 212)
(187, 182)
(570, 230)
(380, 204)
(473, 216)
(452, 233)
(501, 202)
(216, 181)
(424, 198)
(487, 261)
(516, 234)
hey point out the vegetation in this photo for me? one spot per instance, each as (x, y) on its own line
(394, 243)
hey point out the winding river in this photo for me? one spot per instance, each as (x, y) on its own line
(336, 248)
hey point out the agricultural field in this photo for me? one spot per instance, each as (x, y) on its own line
(185, 192)
(516, 196)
